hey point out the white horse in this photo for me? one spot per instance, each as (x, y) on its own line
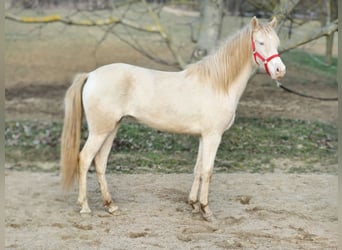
(200, 100)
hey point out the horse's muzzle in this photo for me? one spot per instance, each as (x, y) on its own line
(279, 72)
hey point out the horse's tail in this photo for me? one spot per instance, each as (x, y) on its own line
(71, 135)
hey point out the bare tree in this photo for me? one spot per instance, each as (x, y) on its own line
(211, 15)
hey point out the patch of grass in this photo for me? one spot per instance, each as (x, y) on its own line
(251, 145)
(32, 141)
(311, 61)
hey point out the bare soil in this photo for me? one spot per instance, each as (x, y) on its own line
(253, 211)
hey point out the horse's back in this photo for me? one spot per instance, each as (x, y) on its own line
(122, 81)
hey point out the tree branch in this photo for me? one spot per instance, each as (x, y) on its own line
(166, 37)
(306, 38)
(283, 9)
(136, 46)
(85, 22)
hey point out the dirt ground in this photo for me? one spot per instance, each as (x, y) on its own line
(281, 211)
(253, 211)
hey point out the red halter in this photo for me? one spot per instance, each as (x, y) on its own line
(265, 60)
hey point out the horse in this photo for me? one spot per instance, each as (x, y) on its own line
(200, 100)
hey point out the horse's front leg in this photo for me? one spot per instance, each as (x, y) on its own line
(211, 143)
(193, 196)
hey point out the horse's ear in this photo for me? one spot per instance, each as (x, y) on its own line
(255, 23)
(273, 23)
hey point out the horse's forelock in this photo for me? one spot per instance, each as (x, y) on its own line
(267, 29)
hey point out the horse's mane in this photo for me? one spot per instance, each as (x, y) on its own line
(222, 67)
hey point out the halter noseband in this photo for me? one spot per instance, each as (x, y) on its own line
(265, 60)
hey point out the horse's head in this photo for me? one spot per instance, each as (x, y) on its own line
(265, 44)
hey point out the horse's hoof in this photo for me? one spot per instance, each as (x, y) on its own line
(85, 211)
(196, 208)
(113, 210)
(207, 214)
(209, 217)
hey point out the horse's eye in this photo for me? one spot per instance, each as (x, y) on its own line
(261, 43)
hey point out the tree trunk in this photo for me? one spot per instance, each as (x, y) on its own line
(331, 7)
(211, 15)
(329, 48)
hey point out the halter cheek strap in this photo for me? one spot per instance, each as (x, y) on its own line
(265, 60)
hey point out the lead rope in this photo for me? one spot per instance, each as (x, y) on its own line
(305, 95)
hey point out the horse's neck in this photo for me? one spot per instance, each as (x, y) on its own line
(240, 51)
(243, 63)
(229, 69)
(238, 87)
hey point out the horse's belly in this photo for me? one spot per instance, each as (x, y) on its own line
(170, 121)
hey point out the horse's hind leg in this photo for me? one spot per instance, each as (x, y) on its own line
(91, 147)
(101, 165)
